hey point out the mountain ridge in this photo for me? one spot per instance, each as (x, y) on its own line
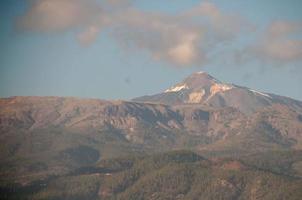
(202, 88)
(64, 140)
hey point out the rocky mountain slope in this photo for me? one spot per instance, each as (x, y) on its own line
(50, 137)
(181, 175)
(46, 136)
(149, 124)
(202, 88)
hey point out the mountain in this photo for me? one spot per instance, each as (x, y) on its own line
(169, 175)
(74, 143)
(202, 88)
(51, 136)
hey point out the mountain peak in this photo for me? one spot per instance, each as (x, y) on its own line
(202, 88)
(196, 81)
(201, 77)
(199, 87)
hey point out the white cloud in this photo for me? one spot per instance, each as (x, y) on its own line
(58, 15)
(278, 43)
(88, 36)
(183, 40)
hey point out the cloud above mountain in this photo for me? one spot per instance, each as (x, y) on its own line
(183, 39)
(279, 44)
(58, 15)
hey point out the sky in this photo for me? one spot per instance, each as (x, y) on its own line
(121, 49)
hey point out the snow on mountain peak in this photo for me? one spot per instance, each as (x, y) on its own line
(177, 88)
(220, 88)
(260, 93)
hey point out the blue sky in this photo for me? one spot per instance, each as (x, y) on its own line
(128, 49)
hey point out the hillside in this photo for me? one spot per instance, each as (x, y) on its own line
(172, 175)
(65, 141)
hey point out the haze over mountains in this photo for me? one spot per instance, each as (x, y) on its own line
(45, 137)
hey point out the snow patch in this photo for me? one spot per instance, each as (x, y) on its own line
(196, 97)
(220, 88)
(260, 93)
(177, 88)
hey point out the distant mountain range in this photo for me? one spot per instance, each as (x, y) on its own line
(44, 137)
